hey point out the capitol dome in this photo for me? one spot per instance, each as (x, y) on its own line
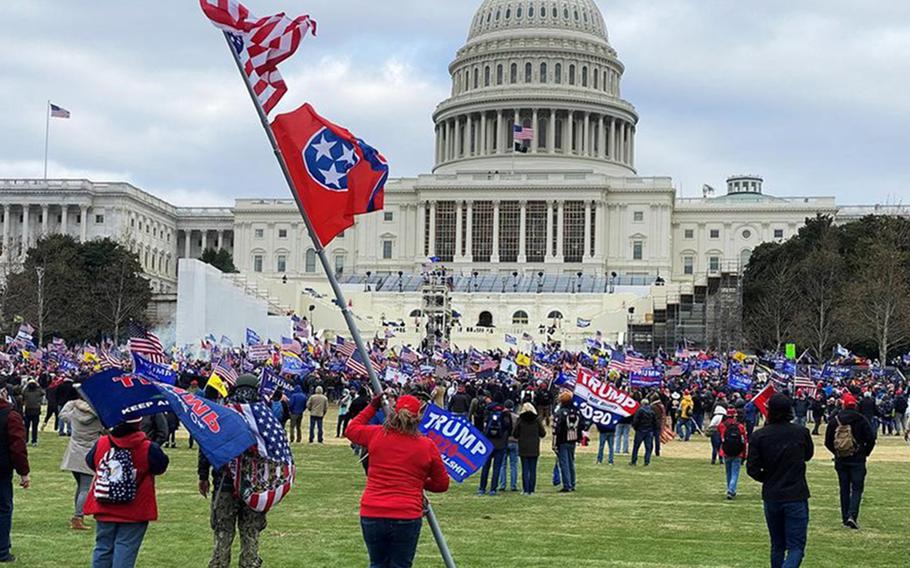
(536, 87)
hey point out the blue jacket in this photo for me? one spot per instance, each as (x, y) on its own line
(750, 413)
(297, 402)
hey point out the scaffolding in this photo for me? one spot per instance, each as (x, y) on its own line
(437, 308)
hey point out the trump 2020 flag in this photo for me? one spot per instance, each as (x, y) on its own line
(117, 397)
(153, 371)
(601, 402)
(336, 175)
(462, 446)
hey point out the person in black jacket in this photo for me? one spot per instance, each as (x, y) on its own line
(460, 403)
(850, 463)
(777, 459)
(645, 424)
(868, 408)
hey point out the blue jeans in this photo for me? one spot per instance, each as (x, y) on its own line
(788, 524)
(565, 454)
(494, 461)
(733, 465)
(6, 513)
(315, 421)
(391, 543)
(648, 439)
(715, 447)
(31, 423)
(529, 475)
(64, 428)
(622, 438)
(117, 544)
(852, 480)
(511, 456)
(606, 439)
(687, 425)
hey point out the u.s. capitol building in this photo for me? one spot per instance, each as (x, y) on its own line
(538, 232)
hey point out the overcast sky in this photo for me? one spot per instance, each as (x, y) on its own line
(813, 95)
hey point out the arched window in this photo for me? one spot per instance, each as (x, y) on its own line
(584, 76)
(416, 314)
(543, 72)
(513, 73)
(485, 319)
(554, 315)
(486, 76)
(518, 12)
(531, 11)
(557, 134)
(558, 74)
(508, 13)
(528, 72)
(596, 74)
(520, 318)
(555, 12)
(499, 74)
(571, 74)
(476, 77)
(606, 85)
(310, 261)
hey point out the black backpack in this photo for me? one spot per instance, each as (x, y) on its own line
(733, 443)
(495, 425)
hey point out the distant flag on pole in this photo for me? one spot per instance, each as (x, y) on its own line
(59, 112)
(260, 43)
(336, 175)
(523, 133)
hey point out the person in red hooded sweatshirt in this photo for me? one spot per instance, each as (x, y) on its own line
(734, 447)
(122, 494)
(403, 463)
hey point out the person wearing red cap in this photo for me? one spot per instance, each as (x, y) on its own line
(403, 463)
(733, 448)
(851, 439)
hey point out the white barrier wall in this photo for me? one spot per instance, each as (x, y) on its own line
(207, 303)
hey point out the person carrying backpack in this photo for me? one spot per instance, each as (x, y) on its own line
(122, 494)
(497, 428)
(851, 439)
(733, 448)
(567, 432)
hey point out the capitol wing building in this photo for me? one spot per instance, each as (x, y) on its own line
(534, 207)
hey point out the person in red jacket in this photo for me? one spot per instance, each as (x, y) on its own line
(122, 494)
(13, 457)
(734, 447)
(403, 463)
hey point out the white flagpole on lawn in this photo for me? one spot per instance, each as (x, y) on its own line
(336, 288)
(47, 132)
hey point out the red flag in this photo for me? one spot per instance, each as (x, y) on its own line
(336, 175)
(761, 399)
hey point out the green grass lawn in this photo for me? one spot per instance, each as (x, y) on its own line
(670, 514)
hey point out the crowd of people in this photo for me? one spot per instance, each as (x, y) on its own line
(522, 403)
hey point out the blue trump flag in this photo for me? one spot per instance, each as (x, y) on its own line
(462, 446)
(269, 382)
(252, 338)
(117, 397)
(291, 364)
(153, 371)
(738, 379)
(222, 432)
(647, 378)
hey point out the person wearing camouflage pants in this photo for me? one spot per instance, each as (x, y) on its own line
(228, 512)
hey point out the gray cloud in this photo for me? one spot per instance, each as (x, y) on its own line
(811, 95)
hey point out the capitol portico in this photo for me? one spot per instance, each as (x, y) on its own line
(564, 215)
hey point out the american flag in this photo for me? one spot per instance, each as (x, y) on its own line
(108, 361)
(226, 372)
(345, 348)
(59, 112)
(265, 478)
(146, 343)
(409, 356)
(260, 43)
(627, 363)
(523, 132)
(356, 364)
(804, 384)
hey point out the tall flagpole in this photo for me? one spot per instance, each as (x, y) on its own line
(47, 132)
(336, 288)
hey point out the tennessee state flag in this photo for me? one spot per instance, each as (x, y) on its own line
(336, 175)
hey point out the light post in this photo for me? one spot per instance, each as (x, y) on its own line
(39, 271)
(312, 309)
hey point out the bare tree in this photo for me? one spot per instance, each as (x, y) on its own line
(820, 295)
(773, 315)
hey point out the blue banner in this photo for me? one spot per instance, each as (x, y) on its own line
(117, 397)
(270, 382)
(647, 378)
(463, 448)
(252, 338)
(737, 379)
(291, 364)
(222, 433)
(153, 371)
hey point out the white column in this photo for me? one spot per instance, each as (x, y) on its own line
(522, 235)
(6, 224)
(560, 231)
(458, 218)
(586, 143)
(599, 227)
(205, 239)
(495, 256)
(612, 144)
(499, 136)
(432, 228)
(83, 215)
(44, 211)
(632, 146)
(420, 226)
(551, 133)
(571, 136)
(601, 139)
(587, 244)
(438, 141)
(458, 144)
(469, 239)
(549, 255)
(536, 127)
(64, 219)
(624, 147)
(515, 120)
(220, 240)
(187, 236)
(483, 134)
(448, 142)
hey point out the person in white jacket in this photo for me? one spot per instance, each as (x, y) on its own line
(86, 431)
(720, 412)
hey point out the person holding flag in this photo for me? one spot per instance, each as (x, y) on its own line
(403, 464)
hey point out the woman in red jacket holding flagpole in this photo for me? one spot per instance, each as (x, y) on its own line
(403, 463)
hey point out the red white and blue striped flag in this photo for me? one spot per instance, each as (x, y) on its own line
(59, 112)
(265, 475)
